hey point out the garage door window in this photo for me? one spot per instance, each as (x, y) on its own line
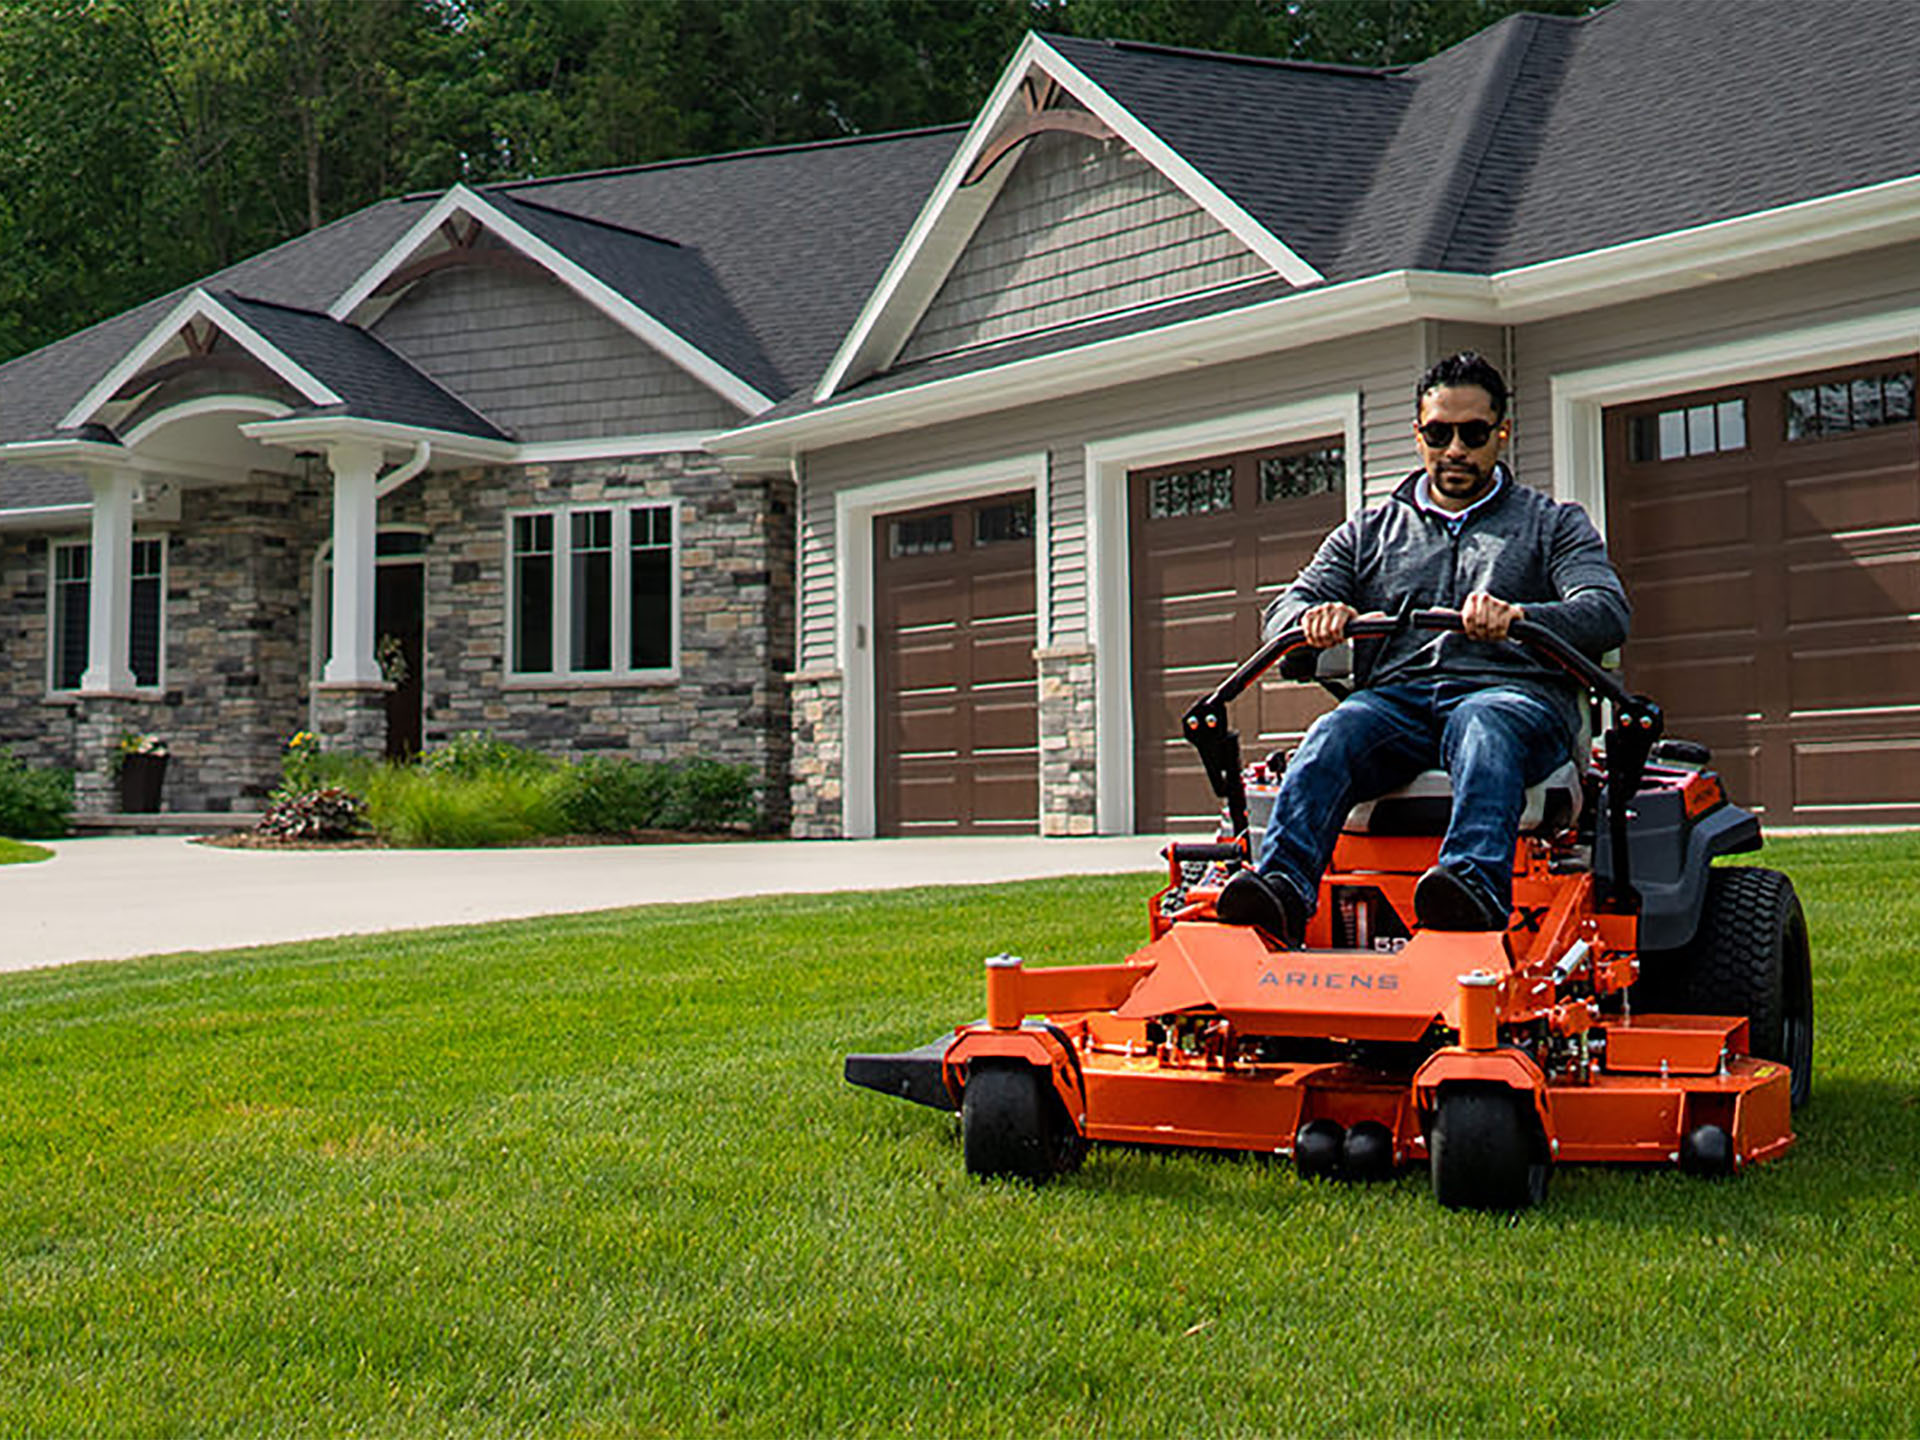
(1002, 524)
(1306, 472)
(1690, 431)
(1839, 407)
(923, 535)
(1190, 492)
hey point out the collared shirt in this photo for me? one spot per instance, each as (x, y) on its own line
(1454, 519)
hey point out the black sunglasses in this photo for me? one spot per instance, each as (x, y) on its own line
(1473, 433)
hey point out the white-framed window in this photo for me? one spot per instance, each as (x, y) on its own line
(593, 593)
(70, 600)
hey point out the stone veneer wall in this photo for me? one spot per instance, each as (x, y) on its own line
(817, 754)
(736, 626)
(233, 679)
(1067, 749)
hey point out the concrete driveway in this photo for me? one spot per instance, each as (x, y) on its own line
(112, 897)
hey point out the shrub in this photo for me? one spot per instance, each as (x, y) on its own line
(34, 804)
(327, 813)
(472, 755)
(414, 806)
(305, 767)
(707, 795)
(607, 795)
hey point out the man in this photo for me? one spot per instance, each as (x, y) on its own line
(1459, 533)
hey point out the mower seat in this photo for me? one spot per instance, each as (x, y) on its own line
(1424, 805)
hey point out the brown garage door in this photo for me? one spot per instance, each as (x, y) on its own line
(1212, 541)
(958, 695)
(1769, 537)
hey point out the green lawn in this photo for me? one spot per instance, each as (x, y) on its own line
(600, 1176)
(18, 852)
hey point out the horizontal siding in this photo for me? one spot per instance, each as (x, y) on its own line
(535, 358)
(1381, 366)
(1081, 227)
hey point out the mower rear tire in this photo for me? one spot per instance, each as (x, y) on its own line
(1011, 1125)
(1485, 1151)
(1750, 957)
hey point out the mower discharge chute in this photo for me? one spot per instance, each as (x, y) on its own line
(1642, 1005)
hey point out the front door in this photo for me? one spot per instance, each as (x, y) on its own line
(399, 616)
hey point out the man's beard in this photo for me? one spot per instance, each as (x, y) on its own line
(1464, 482)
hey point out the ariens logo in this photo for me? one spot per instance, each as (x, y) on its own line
(1331, 979)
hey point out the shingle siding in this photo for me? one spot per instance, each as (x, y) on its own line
(1081, 228)
(533, 357)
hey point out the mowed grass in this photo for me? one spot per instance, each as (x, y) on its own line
(601, 1176)
(19, 852)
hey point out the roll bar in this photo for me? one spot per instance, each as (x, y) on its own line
(1636, 724)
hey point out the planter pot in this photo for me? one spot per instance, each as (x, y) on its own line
(140, 779)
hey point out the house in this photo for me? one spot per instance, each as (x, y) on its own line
(1156, 329)
(440, 466)
(933, 474)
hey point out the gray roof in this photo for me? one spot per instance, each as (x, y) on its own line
(372, 381)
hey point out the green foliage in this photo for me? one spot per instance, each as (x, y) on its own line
(600, 1175)
(706, 795)
(414, 806)
(34, 804)
(475, 755)
(606, 795)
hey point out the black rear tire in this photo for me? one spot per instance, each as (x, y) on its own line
(1011, 1125)
(1484, 1150)
(1751, 958)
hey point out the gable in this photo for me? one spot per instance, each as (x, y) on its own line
(525, 350)
(1081, 227)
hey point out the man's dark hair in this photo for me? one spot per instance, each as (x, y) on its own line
(1466, 368)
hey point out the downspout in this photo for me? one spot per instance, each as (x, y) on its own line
(405, 471)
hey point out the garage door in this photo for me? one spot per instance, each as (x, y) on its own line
(958, 695)
(1212, 542)
(1769, 537)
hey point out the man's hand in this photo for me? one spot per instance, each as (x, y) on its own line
(1326, 625)
(1484, 617)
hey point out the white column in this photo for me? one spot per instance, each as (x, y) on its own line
(110, 585)
(355, 469)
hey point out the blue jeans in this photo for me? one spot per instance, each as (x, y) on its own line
(1493, 742)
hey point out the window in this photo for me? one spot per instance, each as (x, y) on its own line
(1839, 407)
(921, 535)
(1689, 431)
(1305, 472)
(1190, 492)
(1003, 523)
(72, 601)
(594, 591)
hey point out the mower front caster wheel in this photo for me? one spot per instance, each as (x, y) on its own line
(1485, 1151)
(1011, 1125)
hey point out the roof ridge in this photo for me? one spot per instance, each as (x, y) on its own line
(1493, 90)
(681, 161)
(1287, 62)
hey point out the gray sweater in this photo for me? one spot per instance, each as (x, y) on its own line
(1522, 546)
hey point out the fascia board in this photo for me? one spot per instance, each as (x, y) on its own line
(868, 343)
(1289, 265)
(45, 517)
(199, 305)
(350, 429)
(1272, 326)
(583, 282)
(922, 261)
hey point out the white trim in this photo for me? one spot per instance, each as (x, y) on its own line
(46, 517)
(583, 282)
(1109, 574)
(1578, 397)
(304, 430)
(947, 221)
(621, 674)
(854, 511)
(611, 447)
(201, 405)
(198, 306)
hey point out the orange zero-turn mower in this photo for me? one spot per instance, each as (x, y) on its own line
(1642, 1006)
